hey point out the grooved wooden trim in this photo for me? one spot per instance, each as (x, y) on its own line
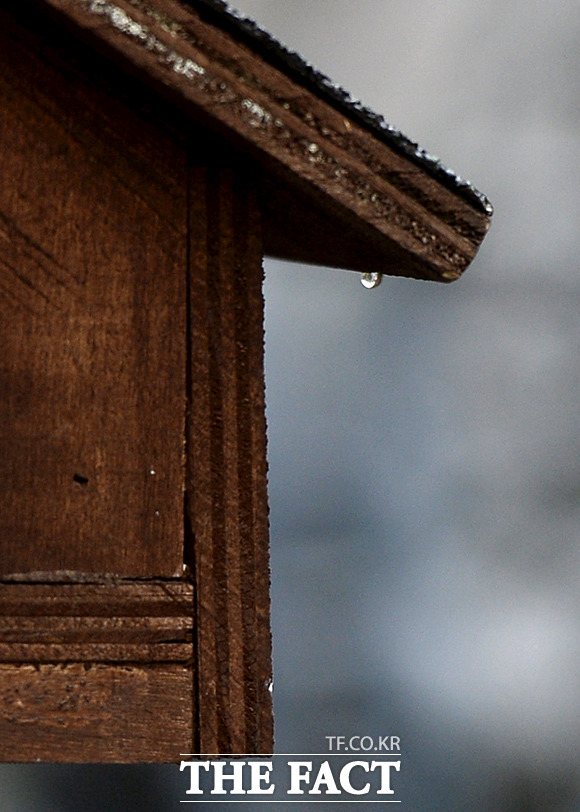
(227, 465)
(109, 622)
(418, 227)
(96, 671)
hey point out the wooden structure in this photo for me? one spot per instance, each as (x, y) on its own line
(151, 152)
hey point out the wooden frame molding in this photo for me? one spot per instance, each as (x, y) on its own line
(96, 671)
(97, 622)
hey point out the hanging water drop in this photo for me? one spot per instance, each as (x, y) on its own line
(371, 280)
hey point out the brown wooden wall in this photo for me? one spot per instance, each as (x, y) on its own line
(133, 515)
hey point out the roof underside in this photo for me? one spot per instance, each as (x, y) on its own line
(341, 188)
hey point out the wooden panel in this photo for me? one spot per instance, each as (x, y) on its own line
(100, 671)
(95, 712)
(227, 466)
(361, 190)
(92, 324)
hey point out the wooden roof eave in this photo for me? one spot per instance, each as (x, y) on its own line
(336, 194)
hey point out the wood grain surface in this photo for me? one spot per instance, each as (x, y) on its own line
(371, 207)
(97, 671)
(92, 328)
(87, 712)
(227, 464)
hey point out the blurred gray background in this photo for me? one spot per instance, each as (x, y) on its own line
(424, 439)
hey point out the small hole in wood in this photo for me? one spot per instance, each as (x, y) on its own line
(81, 480)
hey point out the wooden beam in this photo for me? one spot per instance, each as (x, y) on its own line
(227, 487)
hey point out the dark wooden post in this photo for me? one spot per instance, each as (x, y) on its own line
(227, 463)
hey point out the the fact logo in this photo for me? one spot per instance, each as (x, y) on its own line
(329, 777)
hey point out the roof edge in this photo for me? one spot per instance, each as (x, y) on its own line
(222, 14)
(369, 198)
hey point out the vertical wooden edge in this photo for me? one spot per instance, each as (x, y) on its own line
(227, 480)
(198, 492)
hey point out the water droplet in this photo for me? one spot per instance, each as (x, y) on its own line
(371, 280)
